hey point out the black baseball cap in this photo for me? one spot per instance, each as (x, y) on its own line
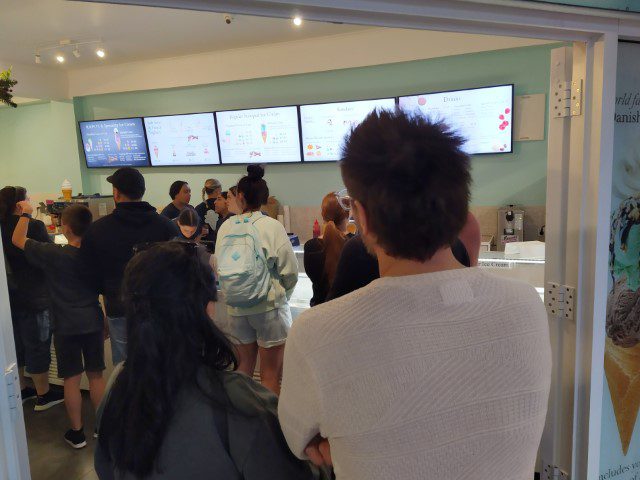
(129, 181)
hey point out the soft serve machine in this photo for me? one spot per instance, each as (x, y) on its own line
(100, 206)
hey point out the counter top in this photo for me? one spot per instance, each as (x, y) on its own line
(500, 257)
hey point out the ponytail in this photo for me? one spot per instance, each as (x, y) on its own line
(334, 241)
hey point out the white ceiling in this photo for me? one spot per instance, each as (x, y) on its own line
(132, 33)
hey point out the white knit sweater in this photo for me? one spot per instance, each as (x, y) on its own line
(436, 376)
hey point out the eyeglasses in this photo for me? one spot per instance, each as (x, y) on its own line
(344, 200)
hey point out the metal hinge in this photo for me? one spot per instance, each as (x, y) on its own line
(566, 98)
(13, 389)
(560, 300)
(551, 472)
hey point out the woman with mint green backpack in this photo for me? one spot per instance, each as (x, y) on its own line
(257, 271)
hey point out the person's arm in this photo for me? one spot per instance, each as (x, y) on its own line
(287, 265)
(299, 407)
(19, 238)
(471, 239)
(91, 260)
(270, 457)
(314, 260)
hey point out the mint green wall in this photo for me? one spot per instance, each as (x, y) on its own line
(38, 147)
(498, 179)
(40, 144)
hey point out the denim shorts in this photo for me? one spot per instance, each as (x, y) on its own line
(32, 336)
(269, 329)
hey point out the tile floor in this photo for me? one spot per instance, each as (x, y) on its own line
(50, 457)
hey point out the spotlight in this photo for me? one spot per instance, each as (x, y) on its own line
(59, 58)
(100, 52)
(76, 52)
(297, 21)
(38, 59)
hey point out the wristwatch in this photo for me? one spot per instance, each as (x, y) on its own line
(26, 215)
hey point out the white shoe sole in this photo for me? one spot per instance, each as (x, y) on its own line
(47, 406)
(76, 446)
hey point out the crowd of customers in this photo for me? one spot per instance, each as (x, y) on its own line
(409, 365)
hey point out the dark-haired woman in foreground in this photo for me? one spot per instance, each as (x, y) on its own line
(175, 410)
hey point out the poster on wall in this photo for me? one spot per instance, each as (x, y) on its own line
(620, 429)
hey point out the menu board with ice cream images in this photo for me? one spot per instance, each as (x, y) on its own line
(261, 135)
(182, 140)
(114, 143)
(325, 126)
(483, 116)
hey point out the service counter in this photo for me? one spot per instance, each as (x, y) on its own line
(530, 270)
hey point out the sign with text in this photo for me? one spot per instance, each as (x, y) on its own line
(114, 143)
(620, 432)
(259, 135)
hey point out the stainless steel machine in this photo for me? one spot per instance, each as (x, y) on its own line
(100, 206)
(510, 226)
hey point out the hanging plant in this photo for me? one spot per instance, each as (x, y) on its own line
(6, 88)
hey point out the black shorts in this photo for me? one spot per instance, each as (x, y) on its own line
(71, 349)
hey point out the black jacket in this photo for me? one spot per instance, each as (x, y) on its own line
(108, 246)
(357, 268)
(30, 288)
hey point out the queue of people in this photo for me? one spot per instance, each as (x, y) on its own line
(409, 364)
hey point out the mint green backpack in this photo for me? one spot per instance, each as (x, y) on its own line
(243, 272)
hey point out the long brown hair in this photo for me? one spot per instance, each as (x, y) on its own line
(333, 239)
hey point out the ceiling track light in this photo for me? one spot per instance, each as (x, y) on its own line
(65, 48)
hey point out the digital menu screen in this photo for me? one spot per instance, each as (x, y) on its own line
(182, 140)
(114, 143)
(325, 126)
(261, 135)
(484, 116)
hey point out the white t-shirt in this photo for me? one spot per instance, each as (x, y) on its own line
(436, 376)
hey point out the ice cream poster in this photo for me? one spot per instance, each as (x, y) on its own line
(620, 429)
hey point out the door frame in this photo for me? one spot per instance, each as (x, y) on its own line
(579, 173)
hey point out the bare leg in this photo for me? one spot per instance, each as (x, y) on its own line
(271, 367)
(247, 356)
(41, 382)
(96, 386)
(73, 401)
